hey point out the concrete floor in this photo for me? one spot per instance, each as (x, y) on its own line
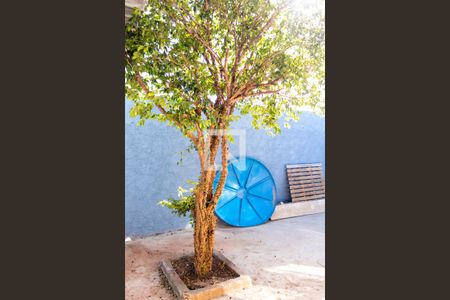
(284, 258)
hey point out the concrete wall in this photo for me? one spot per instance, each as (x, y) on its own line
(152, 174)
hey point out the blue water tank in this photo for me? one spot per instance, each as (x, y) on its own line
(249, 195)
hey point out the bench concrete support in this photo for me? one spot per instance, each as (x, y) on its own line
(301, 208)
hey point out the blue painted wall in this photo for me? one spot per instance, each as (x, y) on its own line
(152, 174)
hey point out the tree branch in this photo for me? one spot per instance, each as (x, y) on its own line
(255, 94)
(191, 30)
(266, 27)
(223, 173)
(144, 87)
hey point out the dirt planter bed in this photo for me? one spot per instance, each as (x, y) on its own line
(182, 291)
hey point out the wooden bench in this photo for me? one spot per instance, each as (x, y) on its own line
(307, 188)
(306, 182)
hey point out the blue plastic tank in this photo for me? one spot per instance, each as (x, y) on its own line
(249, 194)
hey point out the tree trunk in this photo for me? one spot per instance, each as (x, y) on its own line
(204, 242)
(204, 217)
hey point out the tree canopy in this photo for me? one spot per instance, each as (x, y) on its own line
(186, 59)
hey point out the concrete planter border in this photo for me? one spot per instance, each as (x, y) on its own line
(184, 293)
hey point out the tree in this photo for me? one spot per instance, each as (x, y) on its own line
(194, 63)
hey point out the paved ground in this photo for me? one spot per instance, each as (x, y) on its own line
(284, 258)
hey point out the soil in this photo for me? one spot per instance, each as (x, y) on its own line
(184, 266)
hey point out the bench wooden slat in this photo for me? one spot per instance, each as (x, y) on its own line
(306, 185)
(309, 191)
(307, 197)
(296, 198)
(300, 198)
(297, 186)
(299, 192)
(304, 190)
(304, 165)
(305, 177)
(305, 181)
(305, 173)
(303, 170)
